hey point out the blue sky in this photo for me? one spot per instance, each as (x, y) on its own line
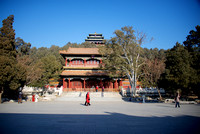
(56, 22)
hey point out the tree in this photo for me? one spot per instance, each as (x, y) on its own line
(7, 53)
(54, 50)
(193, 40)
(22, 47)
(153, 68)
(123, 55)
(43, 64)
(88, 45)
(12, 75)
(192, 44)
(177, 73)
(33, 69)
(51, 68)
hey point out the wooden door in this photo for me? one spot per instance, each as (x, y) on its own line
(77, 84)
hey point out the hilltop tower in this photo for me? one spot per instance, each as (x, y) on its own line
(95, 38)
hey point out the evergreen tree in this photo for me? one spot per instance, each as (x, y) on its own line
(177, 73)
(7, 53)
(193, 40)
(51, 69)
(22, 47)
(12, 75)
(88, 45)
(193, 46)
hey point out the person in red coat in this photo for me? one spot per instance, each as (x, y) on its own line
(87, 102)
(97, 88)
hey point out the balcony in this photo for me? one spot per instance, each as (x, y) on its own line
(86, 66)
(91, 63)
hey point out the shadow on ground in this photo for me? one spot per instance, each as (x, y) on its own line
(109, 123)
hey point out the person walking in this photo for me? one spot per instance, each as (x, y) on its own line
(177, 97)
(87, 102)
(102, 88)
(36, 98)
(97, 88)
(20, 97)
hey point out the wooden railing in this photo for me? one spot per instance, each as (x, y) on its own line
(82, 65)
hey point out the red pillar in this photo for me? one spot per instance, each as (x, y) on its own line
(64, 83)
(84, 62)
(84, 83)
(107, 84)
(100, 61)
(101, 84)
(120, 83)
(66, 62)
(70, 62)
(69, 83)
(115, 84)
(111, 85)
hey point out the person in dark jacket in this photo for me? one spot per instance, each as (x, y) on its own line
(20, 97)
(102, 88)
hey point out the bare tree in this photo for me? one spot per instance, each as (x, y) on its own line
(123, 55)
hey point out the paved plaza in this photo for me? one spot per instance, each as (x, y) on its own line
(112, 117)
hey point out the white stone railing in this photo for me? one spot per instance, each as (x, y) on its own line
(30, 90)
(150, 91)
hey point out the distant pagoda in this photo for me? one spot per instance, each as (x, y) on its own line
(95, 38)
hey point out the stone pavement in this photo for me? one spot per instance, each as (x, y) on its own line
(113, 117)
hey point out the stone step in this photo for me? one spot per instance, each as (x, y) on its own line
(92, 94)
(95, 96)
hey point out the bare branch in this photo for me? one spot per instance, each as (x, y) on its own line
(141, 64)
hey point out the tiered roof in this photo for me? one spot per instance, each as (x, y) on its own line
(84, 73)
(95, 38)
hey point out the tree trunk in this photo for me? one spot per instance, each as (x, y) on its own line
(0, 97)
(159, 94)
(1, 92)
(133, 89)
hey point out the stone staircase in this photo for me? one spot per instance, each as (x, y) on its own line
(94, 96)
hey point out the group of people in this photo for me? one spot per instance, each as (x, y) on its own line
(34, 97)
(87, 102)
(97, 88)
